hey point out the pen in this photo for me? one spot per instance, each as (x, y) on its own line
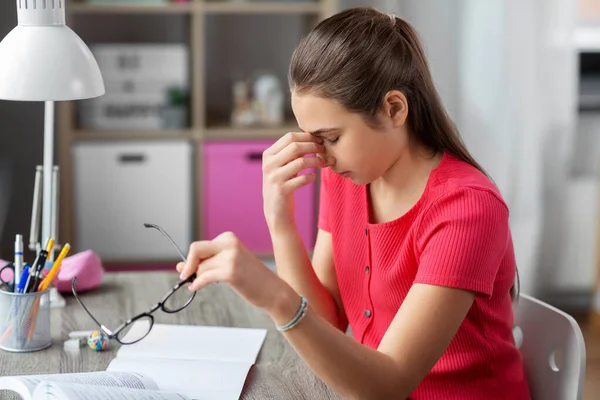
(55, 268)
(18, 258)
(35, 272)
(40, 264)
(23, 280)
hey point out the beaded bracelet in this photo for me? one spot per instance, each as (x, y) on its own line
(297, 318)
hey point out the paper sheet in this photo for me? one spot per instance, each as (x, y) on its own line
(187, 342)
(67, 391)
(200, 380)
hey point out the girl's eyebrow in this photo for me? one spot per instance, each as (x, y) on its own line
(321, 131)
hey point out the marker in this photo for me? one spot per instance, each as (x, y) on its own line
(18, 258)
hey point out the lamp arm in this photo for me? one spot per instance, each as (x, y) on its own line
(54, 216)
(34, 232)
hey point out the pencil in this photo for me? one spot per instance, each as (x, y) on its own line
(49, 247)
(33, 314)
(55, 268)
(43, 286)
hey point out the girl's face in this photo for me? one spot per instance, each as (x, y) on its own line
(358, 151)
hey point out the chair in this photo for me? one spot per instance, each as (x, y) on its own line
(553, 350)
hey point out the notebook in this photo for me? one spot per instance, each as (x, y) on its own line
(178, 362)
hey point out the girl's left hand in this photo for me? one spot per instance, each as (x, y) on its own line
(226, 259)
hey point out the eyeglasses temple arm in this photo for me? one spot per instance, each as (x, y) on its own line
(85, 308)
(158, 228)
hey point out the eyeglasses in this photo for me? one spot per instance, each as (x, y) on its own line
(174, 301)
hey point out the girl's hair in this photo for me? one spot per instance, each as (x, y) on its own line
(357, 56)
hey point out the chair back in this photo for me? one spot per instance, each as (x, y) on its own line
(553, 350)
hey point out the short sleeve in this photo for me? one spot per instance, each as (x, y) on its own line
(324, 201)
(462, 240)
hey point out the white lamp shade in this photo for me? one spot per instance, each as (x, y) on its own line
(47, 63)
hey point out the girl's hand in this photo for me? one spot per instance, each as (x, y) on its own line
(282, 162)
(226, 259)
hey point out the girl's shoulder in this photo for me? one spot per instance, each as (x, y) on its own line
(459, 179)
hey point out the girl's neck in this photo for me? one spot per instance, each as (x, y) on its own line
(407, 178)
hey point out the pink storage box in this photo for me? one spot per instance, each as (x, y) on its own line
(232, 196)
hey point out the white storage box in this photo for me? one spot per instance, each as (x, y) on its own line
(147, 88)
(126, 111)
(143, 62)
(118, 186)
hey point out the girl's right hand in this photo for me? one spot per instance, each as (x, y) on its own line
(282, 162)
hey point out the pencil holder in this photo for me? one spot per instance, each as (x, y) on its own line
(25, 321)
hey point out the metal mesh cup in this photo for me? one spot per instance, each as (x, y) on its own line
(25, 321)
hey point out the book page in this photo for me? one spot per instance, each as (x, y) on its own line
(69, 391)
(186, 342)
(205, 380)
(24, 385)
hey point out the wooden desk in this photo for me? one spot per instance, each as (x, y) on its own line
(278, 374)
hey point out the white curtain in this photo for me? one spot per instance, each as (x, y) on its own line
(517, 110)
(506, 71)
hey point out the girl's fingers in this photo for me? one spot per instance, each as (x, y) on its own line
(199, 251)
(180, 266)
(296, 150)
(289, 138)
(293, 168)
(213, 275)
(205, 272)
(298, 182)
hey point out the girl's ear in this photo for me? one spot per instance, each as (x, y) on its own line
(395, 107)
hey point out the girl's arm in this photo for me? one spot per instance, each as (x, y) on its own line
(460, 255)
(417, 337)
(282, 164)
(317, 282)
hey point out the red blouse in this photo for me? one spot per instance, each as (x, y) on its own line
(456, 235)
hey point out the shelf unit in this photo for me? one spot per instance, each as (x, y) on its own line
(203, 126)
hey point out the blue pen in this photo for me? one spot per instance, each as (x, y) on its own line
(23, 280)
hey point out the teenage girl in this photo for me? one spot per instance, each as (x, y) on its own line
(413, 252)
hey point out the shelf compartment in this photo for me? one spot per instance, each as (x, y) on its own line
(81, 135)
(132, 8)
(262, 7)
(249, 132)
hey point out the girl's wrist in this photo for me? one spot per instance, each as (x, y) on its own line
(284, 304)
(281, 225)
(283, 231)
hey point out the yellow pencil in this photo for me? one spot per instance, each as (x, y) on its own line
(55, 268)
(33, 313)
(43, 286)
(49, 247)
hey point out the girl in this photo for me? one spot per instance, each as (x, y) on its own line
(414, 249)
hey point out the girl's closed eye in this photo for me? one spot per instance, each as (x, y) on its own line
(332, 141)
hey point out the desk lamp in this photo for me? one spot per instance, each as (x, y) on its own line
(42, 59)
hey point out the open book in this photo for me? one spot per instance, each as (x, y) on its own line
(174, 362)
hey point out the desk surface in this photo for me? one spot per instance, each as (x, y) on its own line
(278, 374)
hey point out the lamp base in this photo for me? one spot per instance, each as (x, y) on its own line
(56, 299)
